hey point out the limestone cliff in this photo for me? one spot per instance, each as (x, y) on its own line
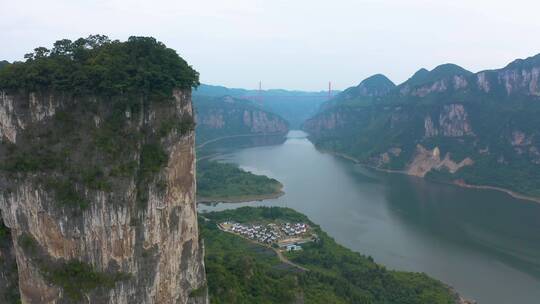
(227, 116)
(99, 194)
(329, 121)
(453, 121)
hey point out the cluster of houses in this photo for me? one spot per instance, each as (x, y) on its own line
(262, 234)
(272, 233)
(294, 229)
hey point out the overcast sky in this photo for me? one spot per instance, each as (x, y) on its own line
(292, 44)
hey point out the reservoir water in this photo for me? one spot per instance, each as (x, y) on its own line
(484, 243)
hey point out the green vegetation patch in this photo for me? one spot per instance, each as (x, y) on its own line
(99, 66)
(39, 160)
(153, 158)
(217, 180)
(74, 277)
(77, 278)
(66, 194)
(198, 292)
(28, 243)
(242, 272)
(184, 125)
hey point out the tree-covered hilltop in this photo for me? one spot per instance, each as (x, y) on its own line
(97, 65)
(226, 182)
(240, 271)
(3, 64)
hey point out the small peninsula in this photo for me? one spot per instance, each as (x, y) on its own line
(227, 183)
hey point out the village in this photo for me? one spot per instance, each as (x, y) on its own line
(285, 236)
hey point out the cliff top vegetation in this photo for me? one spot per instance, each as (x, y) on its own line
(97, 65)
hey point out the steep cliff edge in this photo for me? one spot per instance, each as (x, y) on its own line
(483, 125)
(97, 189)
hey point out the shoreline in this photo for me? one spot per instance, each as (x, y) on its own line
(240, 198)
(235, 136)
(507, 191)
(458, 183)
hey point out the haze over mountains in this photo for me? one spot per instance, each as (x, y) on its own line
(448, 123)
(294, 106)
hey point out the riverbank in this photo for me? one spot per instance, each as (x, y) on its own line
(241, 198)
(459, 183)
(201, 145)
(219, 182)
(507, 191)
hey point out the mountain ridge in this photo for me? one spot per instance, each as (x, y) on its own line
(448, 124)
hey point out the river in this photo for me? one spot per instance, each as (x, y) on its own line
(484, 243)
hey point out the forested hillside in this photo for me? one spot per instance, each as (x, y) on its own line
(448, 124)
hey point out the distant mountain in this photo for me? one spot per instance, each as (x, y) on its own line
(448, 124)
(219, 91)
(376, 85)
(229, 116)
(294, 106)
(366, 91)
(442, 72)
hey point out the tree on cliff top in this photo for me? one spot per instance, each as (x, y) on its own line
(98, 66)
(3, 63)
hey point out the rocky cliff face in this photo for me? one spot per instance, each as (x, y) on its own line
(263, 122)
(453, 121)
(228, 117)
(330, 120)
(525, 80)
(99, 195)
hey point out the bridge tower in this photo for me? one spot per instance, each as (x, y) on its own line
(260, 97)
(329, 90)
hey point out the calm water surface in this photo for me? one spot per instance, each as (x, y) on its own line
(484, 243)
